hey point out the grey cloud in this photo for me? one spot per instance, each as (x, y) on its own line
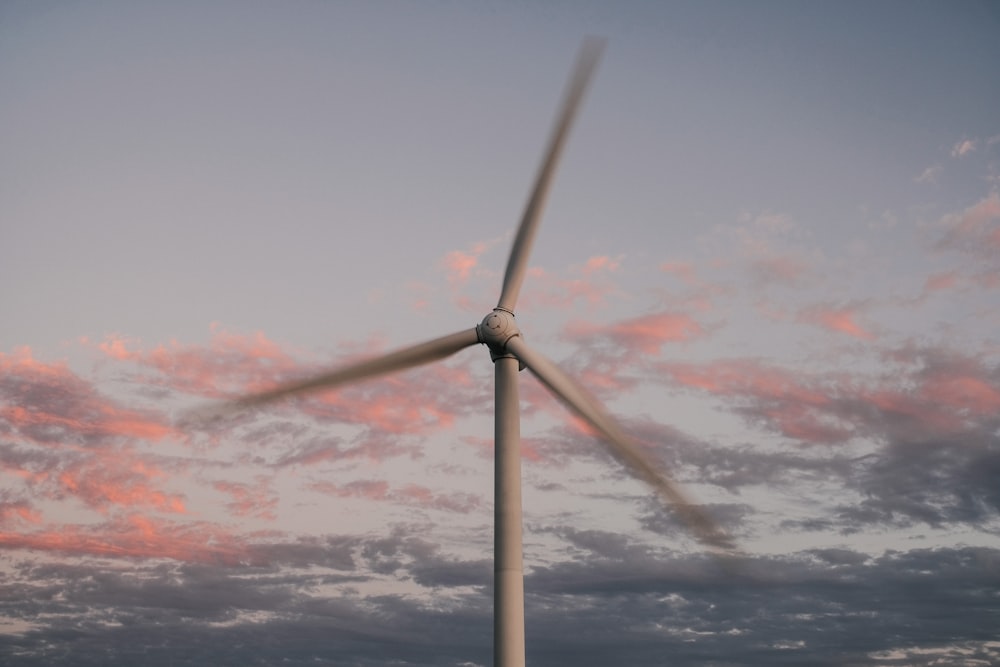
(613, 600)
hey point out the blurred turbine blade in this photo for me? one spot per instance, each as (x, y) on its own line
(621, 446)
(408, 357)
(517, 264)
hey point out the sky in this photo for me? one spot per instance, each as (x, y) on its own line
(772, 250)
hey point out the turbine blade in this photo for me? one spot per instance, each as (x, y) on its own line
(517, 264)
(408, 357)
(621, 446)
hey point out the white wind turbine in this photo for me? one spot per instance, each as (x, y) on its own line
(499, 332)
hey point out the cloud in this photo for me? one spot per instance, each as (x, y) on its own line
(931, 391)
(416, 402)
(608, 354)
(117, 347)
(941, 282)
(601, 263)
(702, 615)
(459, 264)
(771, 222)
(963, 148)
(840, 319)
(783, 270)
(49, 404)
(253, 500)
(73, 442)
(929, 418)
(15, 510)
(685, 271)
(116, 479)
(232, 363)
(551, 292)
(976, 230)
(645, 334)
(929, 175)
(235, 364)
(589, 284)
(789, 403)
(135, 536)
(610, 598)
(408, 494)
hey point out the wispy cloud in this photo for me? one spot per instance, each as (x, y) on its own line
(929, 175)
(976, 230)
(416, 495)
(941, 282)
(685, 271)
(232, 363)
(590, 285)
(136, 536)
(249, 499)
(963, 148)
(601, 263)
(840, 319)
(783, 270)
(645, 334)
(459, 264)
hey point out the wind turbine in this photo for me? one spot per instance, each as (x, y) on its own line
(509, 352)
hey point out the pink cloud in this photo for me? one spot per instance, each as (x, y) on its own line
(961, 392)
(116, 479)
(930, 393)
(590, 285)
(838, 319)
(557, 293)
(81, 444)
(101, 478)
(782, 400)
(234, 364)
(18, 511)
(650, 332)
(459, 263)
(48, 403)
(941, 282)
(136, 536)
(413, 403)
(579, 290)
(254, 500)
(601, 263)
(646, 334)
(940, 400)
(231, 364)
(745, 377)
(976, 229)
(116, 347)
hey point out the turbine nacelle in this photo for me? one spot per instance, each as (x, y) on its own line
(496, 330)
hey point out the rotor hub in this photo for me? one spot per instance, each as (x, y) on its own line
(496, 329)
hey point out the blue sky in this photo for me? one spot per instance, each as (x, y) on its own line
(771, 250)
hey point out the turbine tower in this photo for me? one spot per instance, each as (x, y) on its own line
(499, 332)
